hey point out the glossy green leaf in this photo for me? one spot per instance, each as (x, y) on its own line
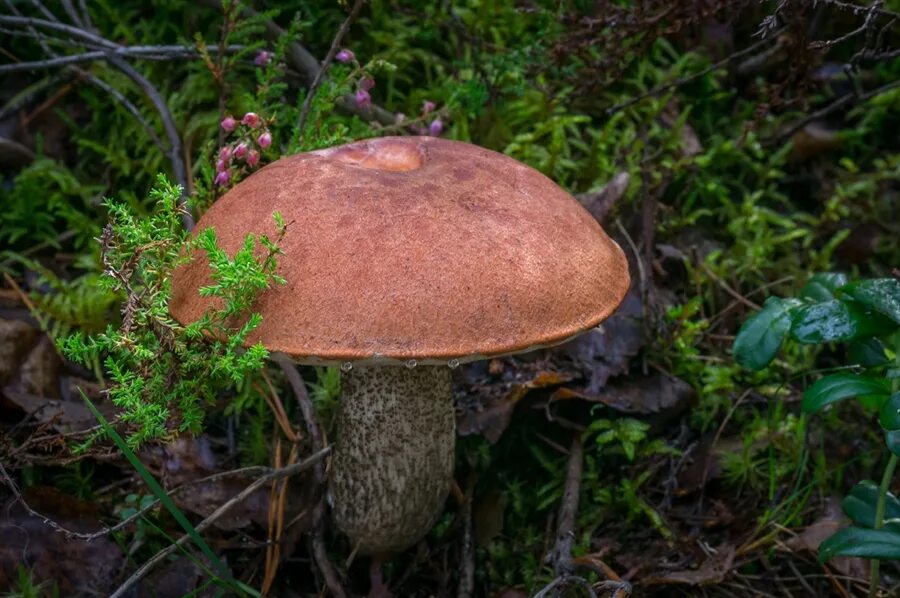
(762, 335)
(859, 505)
(880, 294)
(838, 387)
(867, 352)
(821, 286)
(889, 417)
(892, 440)
(861, 542)
(836, 320)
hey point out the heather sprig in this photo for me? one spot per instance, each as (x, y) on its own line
(163, 375)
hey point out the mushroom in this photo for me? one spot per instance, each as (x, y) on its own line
(405, 257)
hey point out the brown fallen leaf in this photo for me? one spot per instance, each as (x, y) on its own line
(16, 340)
(77, 567)
(658, 395)
(814, 534)
(608, 349)
(813, 139)
(187, 459)
(181, 577)
(39, 373)
(599, 203)
(705, 463)
(487, 515)
(492, 419)
(713, 570)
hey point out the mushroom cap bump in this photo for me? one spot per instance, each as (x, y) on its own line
(414, 248)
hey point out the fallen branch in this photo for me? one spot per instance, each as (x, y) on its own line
(561, 555)
(466, 587)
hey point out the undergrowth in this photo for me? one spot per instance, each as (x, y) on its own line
(735, 216)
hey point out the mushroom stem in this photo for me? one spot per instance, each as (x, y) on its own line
(393, 459)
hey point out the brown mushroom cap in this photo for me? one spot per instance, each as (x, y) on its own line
(414, 248)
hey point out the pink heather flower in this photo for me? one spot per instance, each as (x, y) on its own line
(435, 128)
(366, 83)
(428, 106)
(222, 178)
(252, 158)
(251, 119)
(221, 166)
(241, 150)
(228, 124)
(263, 58)
(264, 140)
(225, 153)
(344, 55)
(363, 99)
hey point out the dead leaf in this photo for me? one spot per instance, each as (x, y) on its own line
(659, 395)
(607, 350)
(812, 140)
(492, 419)
(705, 464)
(181, 577)
(713, 570)
(487, 515)
(78, 567)
(810, 538)
(599, 203)
(16, 340)
(188, 459)
(39, 372)
(14, 155)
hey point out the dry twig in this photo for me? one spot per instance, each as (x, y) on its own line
(312, 461)
(315, 434)
(320, 75)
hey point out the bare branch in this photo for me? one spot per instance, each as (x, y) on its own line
(561, 555)
(174, 150)
(837, 105)
(141, 52)
(70, 30)
(683, 81)
(317, 81)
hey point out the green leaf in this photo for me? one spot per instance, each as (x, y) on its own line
(859, 505)
(865, 543)
(867, 352)
(836, 320)
(762, 335)
(889, 417)
(821, 286)
(892, 440)
(838, 387)
(880, 294)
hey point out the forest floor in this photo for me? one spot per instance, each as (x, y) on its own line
(733, 149)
